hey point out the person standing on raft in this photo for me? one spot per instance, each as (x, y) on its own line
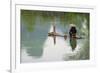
(72, 35)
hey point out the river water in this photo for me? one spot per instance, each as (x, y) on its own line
(37, 46)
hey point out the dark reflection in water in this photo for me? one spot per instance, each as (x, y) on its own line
(73, 43)
(35, 26)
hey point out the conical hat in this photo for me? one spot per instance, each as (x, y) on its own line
(72, 25)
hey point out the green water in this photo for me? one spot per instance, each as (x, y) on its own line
(35, 26)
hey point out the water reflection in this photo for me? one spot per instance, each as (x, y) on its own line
(73, 43)
(36, 46)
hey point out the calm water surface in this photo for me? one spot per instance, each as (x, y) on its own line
(37, 46)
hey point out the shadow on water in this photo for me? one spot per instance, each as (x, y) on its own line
(73, 43)
(35, 26)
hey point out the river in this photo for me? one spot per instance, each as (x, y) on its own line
(37, 46)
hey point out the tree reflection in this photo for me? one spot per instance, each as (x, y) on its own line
(35, 26)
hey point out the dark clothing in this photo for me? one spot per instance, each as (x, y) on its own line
(72, 31)
(72, 34)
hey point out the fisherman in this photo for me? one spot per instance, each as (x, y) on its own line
(72, 31)
(72, 34)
